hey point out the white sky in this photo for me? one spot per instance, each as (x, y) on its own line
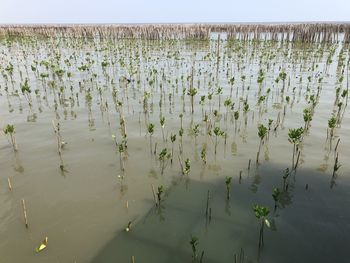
(162, 11)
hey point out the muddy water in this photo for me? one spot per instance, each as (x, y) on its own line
(84, 209)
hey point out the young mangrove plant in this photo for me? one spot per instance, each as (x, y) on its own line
(194, 243)
(121, 150)
(218, 133)
(187, 167)
(307, 114)
(10, 130)
(236, 116)
(172, 139)
(204, 154)
(160, 192)
(150, 130)
(262, 132)
(331, 126)
(228, 182)
(162, 124)
(181, 132)
(276, 194)
(261, 213)
(163, 157)
(192, 93)
(295, 137)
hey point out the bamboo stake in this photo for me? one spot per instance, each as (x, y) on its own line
(9, 183)
(25, 213)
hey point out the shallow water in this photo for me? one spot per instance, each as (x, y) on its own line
(85, 209)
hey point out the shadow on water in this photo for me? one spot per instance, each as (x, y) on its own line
(310, 224)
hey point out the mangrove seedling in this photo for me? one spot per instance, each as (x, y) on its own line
(172, 139)
(261, 213)
(163, 156)
(228, 182)
(236, 116)
(262, 132)
(192, 92)
(162, 124)
(331, 126)
(295, 137)
(285, 176)
(187, 167)
(194, 243)
(159, 194)
(217, 133)
(307, 114)
(150, 129)
(181, 132)
(204, 154)
(121, 150)
(10, 130)
(276, 193)
(195, 131)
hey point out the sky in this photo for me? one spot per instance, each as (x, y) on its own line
(172, 11)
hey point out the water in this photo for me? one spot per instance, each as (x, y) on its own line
(84, 209)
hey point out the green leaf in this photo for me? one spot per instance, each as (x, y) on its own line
(42, 246)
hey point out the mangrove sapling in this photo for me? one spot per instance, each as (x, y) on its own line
(261, 213)
(228, 182)
(192, 92)
(173, 139)
(262, 132)
(217, 133)
(26, 91)
(307, 114)
(204, 154)
(160, 192)
(163, 156)
(202, 102)
(195, 131)
(150, 130)
(295, 137)
(285, 177)
(10, 130)
(276, 193)
(236, 116)
(121, 150)
(228, 104)
(194, 243)
(331, 126)
(162, 124)
(336, 166)
(181, 132)
(187, 167)
(245, 111)
(219, 92)
(181, 119)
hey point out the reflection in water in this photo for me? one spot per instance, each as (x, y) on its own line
(163, 234)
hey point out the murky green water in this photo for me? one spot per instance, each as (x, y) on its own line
(84, 207)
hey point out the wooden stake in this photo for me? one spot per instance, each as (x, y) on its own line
(25, 213)
(9, 183)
